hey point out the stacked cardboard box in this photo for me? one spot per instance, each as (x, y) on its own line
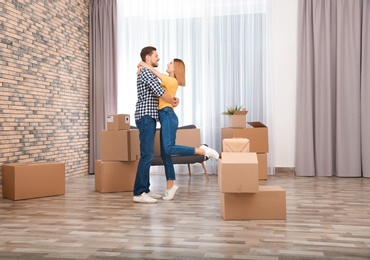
(243, 163)
(257, 133)
(119, 153)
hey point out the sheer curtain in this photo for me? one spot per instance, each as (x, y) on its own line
(225, 45)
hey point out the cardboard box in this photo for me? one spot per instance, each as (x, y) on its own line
(238, 119)
(238, 172)
(120, 145)
(118, 122)
(33, 180)
(187, 137)
(262, 166)
(236, 145)
(268, 203)
(113, 176)
(257, 133)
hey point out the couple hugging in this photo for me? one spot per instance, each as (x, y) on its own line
(155, 102)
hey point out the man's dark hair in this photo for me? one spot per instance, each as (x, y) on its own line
(146, 51)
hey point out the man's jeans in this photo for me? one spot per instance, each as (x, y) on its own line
(147, 126)
(169, 124)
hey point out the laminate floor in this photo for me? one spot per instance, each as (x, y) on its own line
(327, 218)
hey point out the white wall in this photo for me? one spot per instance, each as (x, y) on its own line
(284, 28)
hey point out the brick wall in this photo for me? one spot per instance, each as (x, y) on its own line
(44, 82)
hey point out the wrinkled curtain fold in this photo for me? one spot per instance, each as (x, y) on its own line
(365, 90)
(103, 83)
(333, 89)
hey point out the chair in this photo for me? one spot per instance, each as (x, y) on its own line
(182, 159)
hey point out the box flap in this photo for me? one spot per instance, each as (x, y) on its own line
(256, 124)
(241, 112)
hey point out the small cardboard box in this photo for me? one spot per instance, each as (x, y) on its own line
(120, 145)
(118, 122)
(268, 203)
(257, 133)
(187, 137)
(236, 145)
(238, 119)
(33, 180)
(238, 172)
(113, 176)
(262, 166)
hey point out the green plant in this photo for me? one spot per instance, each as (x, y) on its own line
(231, 110)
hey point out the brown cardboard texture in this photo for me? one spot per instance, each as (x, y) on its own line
(187, 137)
(236, 145)
(268, 203)
(238, 172)
(120, 145)
(238, 119)
(111, 176)
(118, 122)
(257, 133)
(262, 166)
(33, 180)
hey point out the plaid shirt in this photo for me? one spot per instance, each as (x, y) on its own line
(148, 91)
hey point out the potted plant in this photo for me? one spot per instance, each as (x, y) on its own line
(237, 116)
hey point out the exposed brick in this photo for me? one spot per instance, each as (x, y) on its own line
(44, 81)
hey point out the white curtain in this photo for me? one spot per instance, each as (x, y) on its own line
(225, 45)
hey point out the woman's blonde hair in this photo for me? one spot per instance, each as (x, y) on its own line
(179, 67)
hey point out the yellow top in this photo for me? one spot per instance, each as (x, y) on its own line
(170, 85)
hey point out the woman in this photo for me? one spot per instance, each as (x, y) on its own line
(169, 124)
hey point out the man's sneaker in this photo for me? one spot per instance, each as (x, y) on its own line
(144, 198)
(210, 152)
(154, 195)
(170, 193)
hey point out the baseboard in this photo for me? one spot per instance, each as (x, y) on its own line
(289, 170)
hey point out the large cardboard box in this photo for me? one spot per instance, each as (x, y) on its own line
(111, 176)
(236, 145)
(238, 172)
(268, 203)
(238, 119)
(187, 137)
(118, 122)
(33, 180)
(120, 145)
(257, 133)
(262, 166)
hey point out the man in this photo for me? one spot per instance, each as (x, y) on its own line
(146, 117)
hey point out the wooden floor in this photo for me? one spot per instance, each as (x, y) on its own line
(327, 218)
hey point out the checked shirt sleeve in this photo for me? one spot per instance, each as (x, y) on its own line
(152, 82)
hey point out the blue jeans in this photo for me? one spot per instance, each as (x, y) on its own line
(169, 124)
(147, 126)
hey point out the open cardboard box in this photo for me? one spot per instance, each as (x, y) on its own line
(238, 119)
(257, 133)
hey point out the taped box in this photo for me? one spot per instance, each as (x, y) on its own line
(118, 122)
(236, 145)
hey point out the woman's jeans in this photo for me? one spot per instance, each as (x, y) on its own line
(169, 124)
(147, 127)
